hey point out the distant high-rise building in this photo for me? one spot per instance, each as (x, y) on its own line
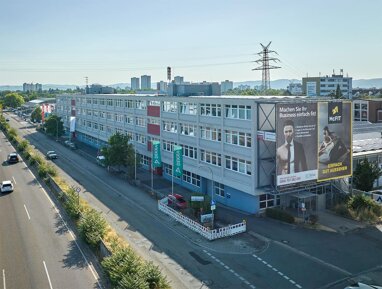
(30, 87)
(162, 87)
(145, 82)
(226, 85)
(327, 85)
(295, 88)
(135, 83)
(193, 89)
(178, 80)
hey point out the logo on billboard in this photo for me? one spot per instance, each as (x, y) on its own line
(334, 112)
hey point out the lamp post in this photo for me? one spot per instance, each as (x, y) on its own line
(212, 192)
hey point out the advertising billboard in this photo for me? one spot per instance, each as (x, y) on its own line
(335, 140)
(157, 160)
(296, 142)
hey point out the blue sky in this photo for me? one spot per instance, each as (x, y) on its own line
(111, 41)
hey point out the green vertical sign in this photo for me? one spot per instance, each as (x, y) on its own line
(178, 161)
(157, 160)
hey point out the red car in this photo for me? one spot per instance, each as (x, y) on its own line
(176, 201)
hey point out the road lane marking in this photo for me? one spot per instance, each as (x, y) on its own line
(5, 287)
(94, 273)
(47, 274)
(26, 210)
(14, 181)
(277, 271)
(241, 278)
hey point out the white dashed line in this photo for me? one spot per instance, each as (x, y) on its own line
(4, 286)
(230, 270)
(278, 272)
(47, 274)
(26, 210)
(14, 180)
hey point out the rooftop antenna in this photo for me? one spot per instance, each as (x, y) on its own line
(265, 67)
(86, 80)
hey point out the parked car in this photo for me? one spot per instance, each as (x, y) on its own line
(101, 161)
(177, 201)
(13, 158)
(51, 155)
(6, 187)
(70, 144)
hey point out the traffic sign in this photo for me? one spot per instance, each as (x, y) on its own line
(213, 207)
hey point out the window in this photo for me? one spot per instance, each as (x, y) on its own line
(95, 101)
(101, 127)
(154, 102)
(102, 101)
(129, 119)
(168, 170)
(140, 138)
(268, 201)
(144, 160)
(154, 121)
(140, 104)
(209, 133)
(169, 106)
(208, 109)
(102, 114)
(118, 117)
(188, 108)
(191, 178)
(219, 189)
(170, 126)
(190, 152)
(238, 138)
(140, 121)
(188, 129)
(89, 112)
(129, 103)
(238, 165)
(109, 102)
(238, 111)
(118, 102)
(108, 115)
(88, 100)
(210, 157)
(168, 145)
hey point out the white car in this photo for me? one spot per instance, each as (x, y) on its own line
(360, 285)
(51, 155)
(6, 187)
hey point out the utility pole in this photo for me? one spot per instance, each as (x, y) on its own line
(265, 67)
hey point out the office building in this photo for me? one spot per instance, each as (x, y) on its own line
(178, 80)
(30, 87)
(162, 87)
(98, 89)
(295, 88)
(135, 83)
(193, 89)
(229, 142)
(146, 82)
(226, 85)
(327, 86)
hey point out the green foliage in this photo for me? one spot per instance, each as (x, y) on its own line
(342, 210)
(37, 115)
(53, 124)
(122, 262)
(119, 152)
(23, 145)
(365, 174)
(92, 226)
(279, 215)
(129, 281)
(36, 159)
(13, 99)
(237, 91)
(154, 277)
(12, 133)
(72, 204)
(338, 94)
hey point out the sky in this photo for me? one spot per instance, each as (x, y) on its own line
(62, 42)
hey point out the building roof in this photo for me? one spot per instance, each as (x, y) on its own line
(367, 137)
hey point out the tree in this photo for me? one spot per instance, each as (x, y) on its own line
(36, 115)
(338, 94)
(365, 174)
(119, 151)
(54, 126)
(13, 100)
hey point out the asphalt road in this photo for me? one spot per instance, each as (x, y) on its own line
(36, 248)
(289, 257)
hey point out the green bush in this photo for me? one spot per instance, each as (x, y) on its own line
(278, 214)
(51, 170)
(92, 227)
(72, 203)
(342, 210)
(43, 170)
(366, 214)
(23, 145)
(154, 277)
(358, 202)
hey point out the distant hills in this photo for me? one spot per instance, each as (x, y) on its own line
(276, 84)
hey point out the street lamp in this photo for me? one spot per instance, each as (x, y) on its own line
(212, 192)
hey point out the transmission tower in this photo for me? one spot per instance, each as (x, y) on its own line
(265, 67)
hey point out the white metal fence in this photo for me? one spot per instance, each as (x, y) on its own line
(195, 226)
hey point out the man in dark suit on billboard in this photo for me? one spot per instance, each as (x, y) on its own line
(290, 156)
